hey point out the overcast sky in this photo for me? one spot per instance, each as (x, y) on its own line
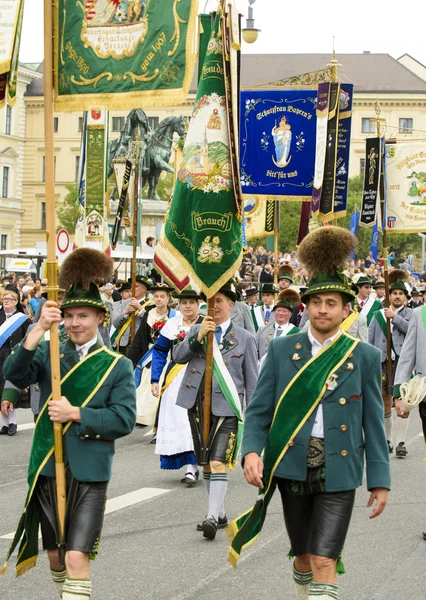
(357, 26)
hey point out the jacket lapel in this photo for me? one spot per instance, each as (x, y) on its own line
(69, 356)
(229, 341)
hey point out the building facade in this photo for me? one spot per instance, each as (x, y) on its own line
(399, 85)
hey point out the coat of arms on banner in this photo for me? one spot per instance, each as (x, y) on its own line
(102, 20)
(205, 161)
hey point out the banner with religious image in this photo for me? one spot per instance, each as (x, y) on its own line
(117, 54)
(405, 187)
(370, 192)
(259, 216)
(11, 16)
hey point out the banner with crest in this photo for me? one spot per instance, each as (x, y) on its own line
(116, 54)
(203, 225)
(11, 15)
(405, 187)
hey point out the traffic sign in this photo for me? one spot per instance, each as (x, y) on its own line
(62, 241)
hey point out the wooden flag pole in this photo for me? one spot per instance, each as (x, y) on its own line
(135, 236)
(276, 236)
(379, 121)
(52, 265)
(208, 380)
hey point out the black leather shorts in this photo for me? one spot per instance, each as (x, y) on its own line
(84, 513)
(222, 440)
(316, 521)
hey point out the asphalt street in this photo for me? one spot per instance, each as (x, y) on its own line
(151, 549)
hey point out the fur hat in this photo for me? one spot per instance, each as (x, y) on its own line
(397, 279)
(288, 299)
(286, 272)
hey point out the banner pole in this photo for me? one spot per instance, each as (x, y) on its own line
(52, 266)
(276, 236)
(208, 380)
(135, 236)
(379, 121)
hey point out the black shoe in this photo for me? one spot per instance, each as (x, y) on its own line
(390, 447)
(424, 535)
(141, 425)
(12, 429)
(401, 450)
(209, 528)
(221, 523)
(4, 430)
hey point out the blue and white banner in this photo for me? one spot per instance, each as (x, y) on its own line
(375, 237)
(354, 227)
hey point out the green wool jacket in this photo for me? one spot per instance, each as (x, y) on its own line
(353, 416)
(88, 446)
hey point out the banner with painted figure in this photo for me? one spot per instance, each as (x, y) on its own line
(11, 16)
(116, 54)
(259, 215)
(370, 192)
(406, 187)
(278, 143)
(203, 225)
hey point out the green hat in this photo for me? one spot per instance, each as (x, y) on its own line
(364, 280)
(379, 284)
(268, 288)
(324, 254)
(78, 295)
(283, 304)
(146, 282)
(286, 272)
(189, 294)
(399, 285)
(161, 287)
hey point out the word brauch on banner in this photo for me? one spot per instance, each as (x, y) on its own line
(406, 187)
(123, 53)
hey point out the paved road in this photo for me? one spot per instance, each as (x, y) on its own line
(150, 548)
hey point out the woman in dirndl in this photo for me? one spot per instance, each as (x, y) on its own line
(174, 439)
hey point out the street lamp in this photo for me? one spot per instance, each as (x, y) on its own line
(250, 33)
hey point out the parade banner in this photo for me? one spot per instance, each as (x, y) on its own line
(280, 156)
(169, 266)
(305, 214)
(353, 227)
(375, 238)
(124, 172)
(122, 53)
(80, 232)
(343, 149)
(370, 193)
(205, 29)
(326, 205)
(203, 226)
(406, 187)
(11, 16)
(277, 143)
(259, 215)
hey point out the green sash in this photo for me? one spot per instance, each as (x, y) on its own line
(423, 309)
(297, 403)
(79, 385)
(253, 316)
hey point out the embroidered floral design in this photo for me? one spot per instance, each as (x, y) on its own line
(246, 179)
(264, 141)
(210, 251)
(300, 141)
(251, 105)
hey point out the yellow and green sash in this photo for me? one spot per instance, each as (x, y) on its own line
(297, 403)
(79, 385)
(349, 321)
(118, 333)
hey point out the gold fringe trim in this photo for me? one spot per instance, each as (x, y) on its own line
(3, 569)
(24, 567)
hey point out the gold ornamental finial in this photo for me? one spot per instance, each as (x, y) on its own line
(334, 66)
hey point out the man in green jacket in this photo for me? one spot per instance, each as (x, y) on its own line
(97, 406)
(316, 411)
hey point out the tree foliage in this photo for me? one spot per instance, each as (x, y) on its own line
(66, 210)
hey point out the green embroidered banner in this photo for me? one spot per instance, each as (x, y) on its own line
(203, 225)
(11, 15)
(117, 54)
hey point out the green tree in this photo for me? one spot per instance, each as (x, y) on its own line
(66, 211)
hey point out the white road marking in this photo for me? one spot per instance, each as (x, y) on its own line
(120, 502)
(26, 426)
(150, 432)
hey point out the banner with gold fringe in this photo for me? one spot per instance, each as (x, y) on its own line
(11, 15)
(259, 216)
(123, 53)
(203, 226)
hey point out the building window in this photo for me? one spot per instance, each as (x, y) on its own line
(117, 123)
(80, 124)
(367, 125)
(5, 186)
(361, 165)
(55, 124)
(153, 122)
(405, 125)
(43, 168)
(3, 246)
(8, 120)
(43, 215)
(77, 166)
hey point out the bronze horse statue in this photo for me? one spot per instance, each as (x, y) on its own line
(158, 151)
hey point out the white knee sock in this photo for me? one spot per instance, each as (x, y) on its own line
(206, 479)
(388, 426)
(323, 591)
(59, 579)
(218, 487)
(77, 589)
(302, 582)
(11, 418)
(401, 429)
